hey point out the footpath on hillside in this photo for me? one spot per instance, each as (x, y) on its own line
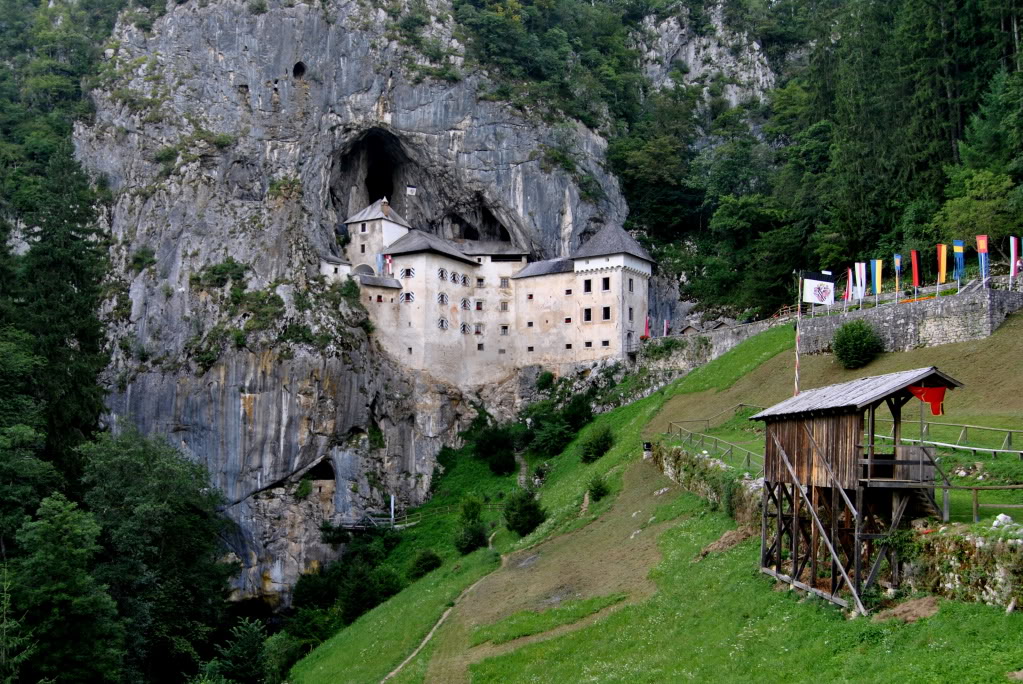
(610, 555)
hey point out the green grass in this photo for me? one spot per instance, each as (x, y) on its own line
(529, 622)
(719, 620)
(724, 371)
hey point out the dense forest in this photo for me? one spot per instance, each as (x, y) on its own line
(895, 124)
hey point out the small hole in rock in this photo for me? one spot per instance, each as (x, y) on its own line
(299, 71)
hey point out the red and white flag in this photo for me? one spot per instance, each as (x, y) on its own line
(1014, 257)
(387, 260)
(646, 329)
(848, 285)
(665, 327)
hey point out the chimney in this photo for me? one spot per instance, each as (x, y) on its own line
(385, 207)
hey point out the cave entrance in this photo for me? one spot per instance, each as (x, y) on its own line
(324, 470)
(373, 167)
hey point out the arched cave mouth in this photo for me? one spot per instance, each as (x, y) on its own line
(298, 72)
(379, 164)
(324, 470)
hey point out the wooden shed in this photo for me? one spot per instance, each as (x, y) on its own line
(821, 456)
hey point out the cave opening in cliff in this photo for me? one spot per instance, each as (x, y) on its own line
(298, 72)
(372, 167)
(324, 470)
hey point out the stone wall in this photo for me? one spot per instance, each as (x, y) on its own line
(944, 320)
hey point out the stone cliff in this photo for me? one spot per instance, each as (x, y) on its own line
(235, 141)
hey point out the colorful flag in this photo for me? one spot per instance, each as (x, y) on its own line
(646, 329)
(861, 279)
(665, 327)
(875, 275)
(1014, 257)
(898, 270)
(935, 396)
(982, 255)
(959, 253)
(942, 263)
(818, 288)
(914, 256)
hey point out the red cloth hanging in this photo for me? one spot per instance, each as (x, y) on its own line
(935, 396)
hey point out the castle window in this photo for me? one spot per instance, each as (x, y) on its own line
(630, 284)
(605, 343)
(407, 273)
(335, 270)
(479, 305)
(606, 313)
(362, 228)
(407, 297)
(442, 324)
(464, 329)
(380, 298)
(479, 260)
(479, 329)
(465, 304)
(529, 324)
(479, 347)
(605, 284)
(409, 350)
(529, 296)
(500, 351)
(568, 346)
(442, 298)
(587, 315)
(568, 319)
(587, 344)
(505, 282)
(362, 249)
(568, 292)
(479, 282)
(442, 273)
(504, 306)
(529, 349)
(504, 329)
(587, 285)
(630, 313)
(465, 280)
(454, 277)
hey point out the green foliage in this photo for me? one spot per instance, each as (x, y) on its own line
(241, 657)
(64, 605)
(523, 513)
(495, 446)
(529, 622)
(470, 536)
(855, 344)
(597, 443)
(280, 652)
(552, 437)
(304, 489)
(425, 562)
(376, 436)
(662, 349)
(577, 411)
(257, 7)
(218, 275)
(597, 488)
(16, 645)
(284, 188)
(544, 381)
(143, 258)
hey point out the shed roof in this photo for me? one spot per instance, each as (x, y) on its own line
(857, 394)
(379, 281)
(611, 239)
(540, 268)
(418, 241)
(378, 211)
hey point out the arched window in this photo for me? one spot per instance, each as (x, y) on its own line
(466, 304)
(442, 324)
(465, 280)
(442, 273)
(442, 298)
(407, 297)
(408, 273)
(454, 277)
(479, 328)
(464, 328)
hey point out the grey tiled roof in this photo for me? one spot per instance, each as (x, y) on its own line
(857, 394)
(379, 281)
(330, 258)
(376, 211)
(611, 240)
(488, 247)
(418, 241)
(539, 268)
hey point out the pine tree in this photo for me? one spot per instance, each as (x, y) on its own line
(16, 644)
(66, 609)
(61, 291)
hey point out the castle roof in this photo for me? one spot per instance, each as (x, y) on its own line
(417, 241)
(331, 259)
(378, 210)
(540, 268)
(489, 247)
(379, 281)
(611, 240)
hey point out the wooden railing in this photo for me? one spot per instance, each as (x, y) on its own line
(369, 520)
(706, 421)
(964, 433)
(726, 449)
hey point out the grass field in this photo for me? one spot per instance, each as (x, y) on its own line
(717, 619)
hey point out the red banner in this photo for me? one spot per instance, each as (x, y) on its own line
(935, 396)
(982, 244)
(915, 257)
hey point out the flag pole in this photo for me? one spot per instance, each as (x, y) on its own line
(799, 316)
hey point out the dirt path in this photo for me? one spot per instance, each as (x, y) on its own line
(612, 554)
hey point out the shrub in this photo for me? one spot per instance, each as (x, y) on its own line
(578, 412)
(470, 536)
(597, 488)
(280, 652)
(856, 344)
(522, 513)
(425, 562)
(257, 7)
(304, 489)
(494, 445)
(552, 437)
(142, 259)
(599, 441)
(545, 381)
(472, 509)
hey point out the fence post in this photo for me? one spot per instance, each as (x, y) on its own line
(963, 436)
(944, 504)
(976, 507)
(1007, 442)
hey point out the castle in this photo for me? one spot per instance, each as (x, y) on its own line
(471, 311)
